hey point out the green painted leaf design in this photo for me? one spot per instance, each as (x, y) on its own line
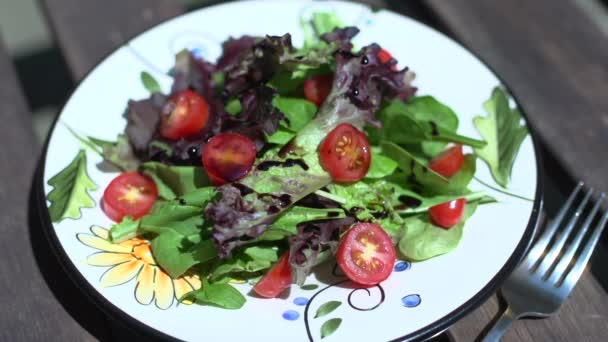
(149, 82)
(327, 308)
(504, 135)
(330, 327)
(309, 287)
(70, 190)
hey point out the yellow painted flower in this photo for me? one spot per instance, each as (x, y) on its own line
(133, 259)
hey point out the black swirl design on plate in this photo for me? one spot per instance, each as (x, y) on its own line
(337, 272)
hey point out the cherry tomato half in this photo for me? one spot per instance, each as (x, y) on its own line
(276, 280)
(189, 113)
(366, 254)
(345, 153)
(317, 88)
(448, 214)
(384, 56)
(129, 194)
(448, 162)
(228, 157)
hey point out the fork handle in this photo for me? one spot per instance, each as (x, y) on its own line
(500, 326)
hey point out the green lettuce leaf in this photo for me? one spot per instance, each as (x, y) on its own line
(298, 112)
(246, 262)
(71, 188)
(381, 165)
(504, 134)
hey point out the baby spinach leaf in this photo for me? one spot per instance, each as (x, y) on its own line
(502, 130)
(427, 108)
(176, 253)
(416, 171)
(173, 181)
(71, 188)
(381, 165)
(217, 294)
(423, 240)
(402, 124)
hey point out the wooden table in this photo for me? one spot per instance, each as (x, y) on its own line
(550, 53)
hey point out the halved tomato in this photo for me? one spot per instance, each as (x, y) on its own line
(228, 157)
(384, 56)
(449, 162)
(366, 254)
(448, 214)
(317, 88)
(187, 115)
(129, 194)
(276, 280)
(345, 153)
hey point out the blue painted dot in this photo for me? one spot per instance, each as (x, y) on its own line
(300, 301)
(198, 52)
(411, 301)
(402, 266)
(368, 22)
(291, 315)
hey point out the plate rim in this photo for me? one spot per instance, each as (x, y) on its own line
(428, 331)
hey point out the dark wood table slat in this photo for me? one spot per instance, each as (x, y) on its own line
(87, 30)
(29, 310)
(554, 58)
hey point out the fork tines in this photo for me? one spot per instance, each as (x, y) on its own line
(562, 252)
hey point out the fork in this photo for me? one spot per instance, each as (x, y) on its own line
(547, 275)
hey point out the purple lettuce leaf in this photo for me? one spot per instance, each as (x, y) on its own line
(361, 82)
(312, 240)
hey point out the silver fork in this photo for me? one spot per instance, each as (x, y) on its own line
(547, 275)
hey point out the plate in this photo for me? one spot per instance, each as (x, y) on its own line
(417, 301)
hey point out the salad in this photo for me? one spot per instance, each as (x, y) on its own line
(276, 159)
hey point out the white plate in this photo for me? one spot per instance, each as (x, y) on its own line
(436, 292)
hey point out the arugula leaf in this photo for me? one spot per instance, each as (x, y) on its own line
(176, 253)
(423, 240)
(298, 112)
(71, 188)
(217, 294)
(174, 181)
(504, 134)
(149, 82)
